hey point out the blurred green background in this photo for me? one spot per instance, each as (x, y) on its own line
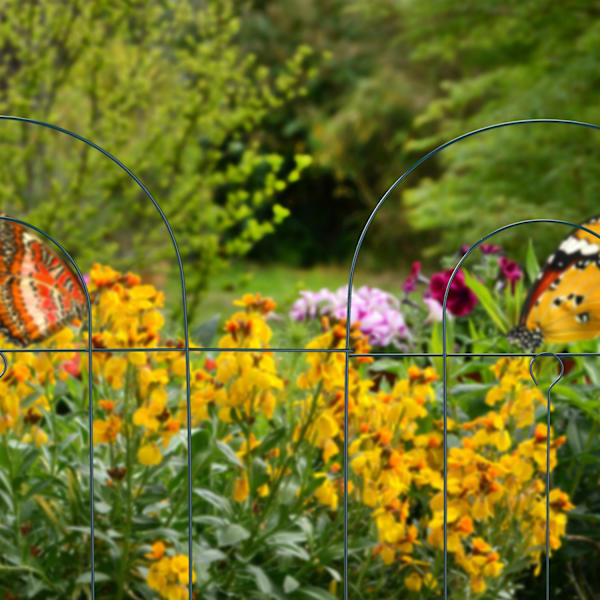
(268, 130)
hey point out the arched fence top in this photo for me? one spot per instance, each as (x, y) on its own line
(348, 350)
(133, 177)
(424, 159)
(186, 347)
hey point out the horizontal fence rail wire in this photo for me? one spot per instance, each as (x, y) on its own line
(349, 353)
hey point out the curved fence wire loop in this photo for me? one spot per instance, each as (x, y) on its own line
(445, 385)
(88, 301)
(5, 367)
(556, 380)
(445, 352)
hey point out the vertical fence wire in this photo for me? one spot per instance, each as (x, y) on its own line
(548, 407)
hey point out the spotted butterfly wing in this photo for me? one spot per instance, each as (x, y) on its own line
(39, 293)
(563, 304)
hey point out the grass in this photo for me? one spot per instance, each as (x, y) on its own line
(280, 282)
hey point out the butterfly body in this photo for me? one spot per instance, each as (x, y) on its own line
(39, 293)
(563, 304)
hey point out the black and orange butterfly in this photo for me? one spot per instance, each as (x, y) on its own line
(563, 304)
(39, 293)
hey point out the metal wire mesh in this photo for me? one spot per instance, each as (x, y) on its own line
(347, 350)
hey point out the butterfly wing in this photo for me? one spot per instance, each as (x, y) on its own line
(570, 311)
(39, 293)
(563, 304)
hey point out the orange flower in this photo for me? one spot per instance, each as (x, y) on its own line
(158, 549)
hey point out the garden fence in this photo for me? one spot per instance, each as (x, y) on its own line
(347, 351)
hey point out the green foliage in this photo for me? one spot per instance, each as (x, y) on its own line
(169, 90)
(518, 60)
(354, 121)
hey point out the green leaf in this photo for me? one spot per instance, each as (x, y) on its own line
(87, 577)
(531, 262)
(262, 581)
(315, 593)
(489, 304)
(232, 535)
(200, 441)
(280, 213)
(205, 333)
(573, 437)
(205, 556)
(290, 584)
(270, 441)
(219, 502)
(229, 454)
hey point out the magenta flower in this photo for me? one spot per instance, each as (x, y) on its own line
(461, 299)
(511, 271)
(490, 249)
(485, 248)
(410, 285)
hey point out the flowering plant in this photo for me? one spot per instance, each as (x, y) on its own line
(267, 440)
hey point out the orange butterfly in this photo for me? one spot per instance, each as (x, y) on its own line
(39, 293)
(563, 304)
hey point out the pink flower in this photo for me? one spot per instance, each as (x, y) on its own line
(312, 304)
(461, 300)
(377, 311)
(435, 311)
(490, 249)
(72, 366)
(511, 271)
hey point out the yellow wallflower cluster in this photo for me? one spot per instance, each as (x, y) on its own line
(495, 475)
(169, 575)
(126, 314)
(240, 385)
(22, 405)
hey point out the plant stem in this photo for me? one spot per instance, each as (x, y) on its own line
(275, 485)
(129, 498)
(14, 495)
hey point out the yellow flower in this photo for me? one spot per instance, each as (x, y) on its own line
(114, 371)
(241, 488)
(105, 432)
(169, 576)
(326, 493)
(414, 582)
(149, 454)
(37, 435)
(137, 358)
(107, 405)
(158, 550)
